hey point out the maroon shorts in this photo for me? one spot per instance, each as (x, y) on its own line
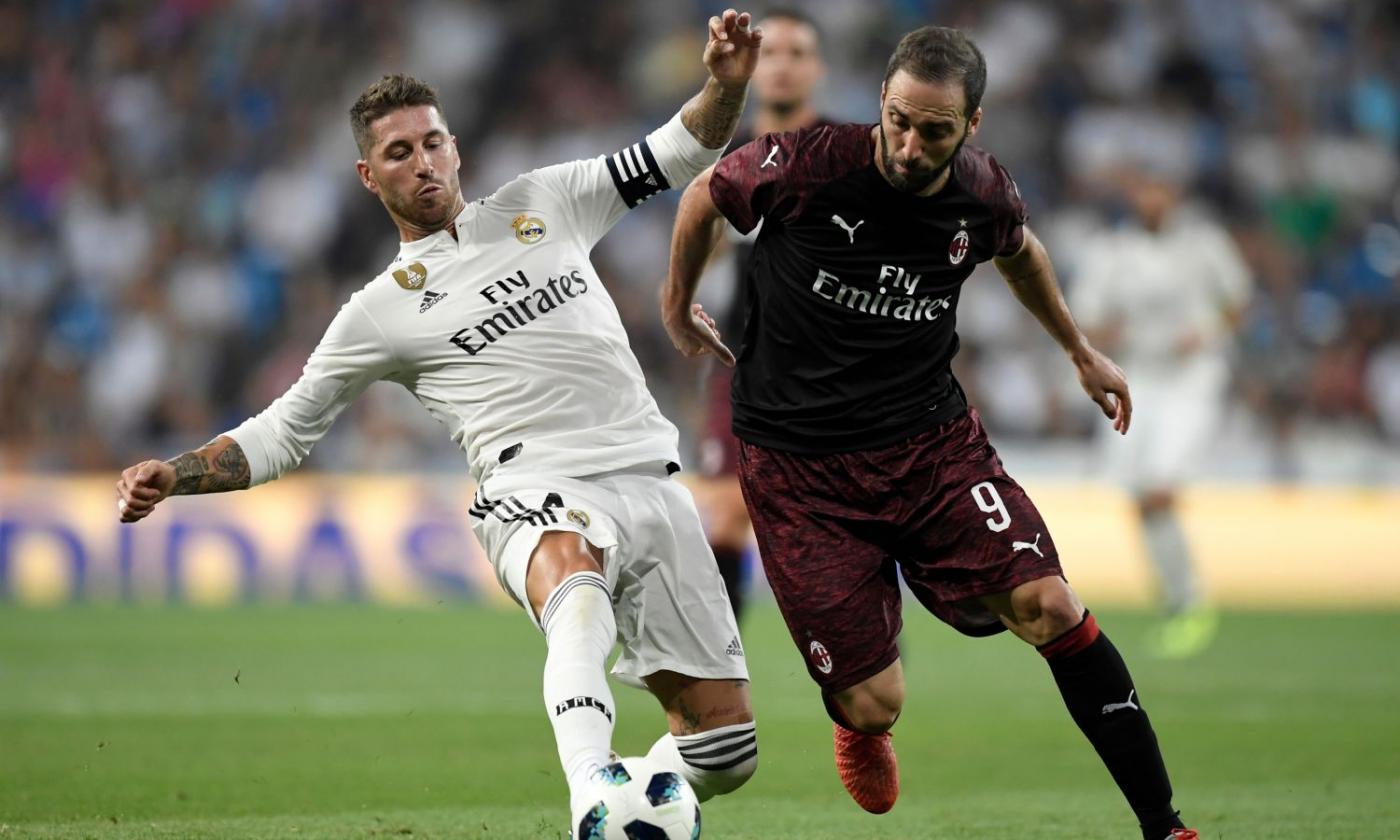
(719, 449)
(835, 530)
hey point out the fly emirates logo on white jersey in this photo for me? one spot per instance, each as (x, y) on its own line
(518, 300)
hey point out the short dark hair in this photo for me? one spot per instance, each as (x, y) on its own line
(384, 97)
(942, 54)
(793, 14)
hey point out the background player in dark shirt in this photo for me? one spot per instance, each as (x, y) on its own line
(789, 68)
(859, 454)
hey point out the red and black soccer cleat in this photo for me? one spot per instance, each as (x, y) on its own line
(868, 768)
(1183, 834)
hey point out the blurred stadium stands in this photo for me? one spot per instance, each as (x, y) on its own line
(179, 215)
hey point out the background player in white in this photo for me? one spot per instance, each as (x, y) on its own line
(1164, 293)
(496, 321)
(789, 68)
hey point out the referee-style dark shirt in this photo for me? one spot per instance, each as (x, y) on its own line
(850, 308)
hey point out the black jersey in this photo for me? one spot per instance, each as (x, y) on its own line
(851, 300)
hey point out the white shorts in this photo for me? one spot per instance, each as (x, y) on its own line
(670, 603)
(1176, 417)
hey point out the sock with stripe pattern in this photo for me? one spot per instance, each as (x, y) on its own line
(714, 762)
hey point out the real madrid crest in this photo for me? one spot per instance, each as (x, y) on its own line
(413, 277)
(577, 517)
(528, 229)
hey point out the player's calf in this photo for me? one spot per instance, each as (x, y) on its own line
(569, 597)
(713, 741)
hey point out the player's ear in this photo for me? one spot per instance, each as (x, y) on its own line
(366, 176)
(456, 158)
(974, 121)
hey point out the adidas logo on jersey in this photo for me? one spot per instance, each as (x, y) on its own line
(735, 649)
(430, 298)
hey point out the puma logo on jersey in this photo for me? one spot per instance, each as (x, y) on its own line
(1109, 708)
(1017, 545)
(771, 159)
(849, 229)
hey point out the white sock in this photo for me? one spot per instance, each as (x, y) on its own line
(1166, 545)
(580, 630)
(714, 762)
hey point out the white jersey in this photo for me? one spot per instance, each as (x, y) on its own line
(504, 333)
(1161, 288)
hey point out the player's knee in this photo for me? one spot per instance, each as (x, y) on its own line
(871, 710)
(559, 556)
(721, 760)
(1060, 613)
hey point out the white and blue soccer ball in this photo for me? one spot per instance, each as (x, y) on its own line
(635, 799)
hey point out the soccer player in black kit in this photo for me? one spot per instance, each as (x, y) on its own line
(859, 452)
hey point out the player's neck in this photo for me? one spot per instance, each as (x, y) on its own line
(768, 120)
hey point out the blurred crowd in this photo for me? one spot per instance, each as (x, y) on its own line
(180, 218)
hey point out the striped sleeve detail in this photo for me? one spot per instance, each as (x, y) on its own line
(636, 174)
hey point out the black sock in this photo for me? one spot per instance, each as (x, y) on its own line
(1101, 698)
(731, 567)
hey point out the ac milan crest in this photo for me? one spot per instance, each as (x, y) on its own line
(958, 248)
(820, 657)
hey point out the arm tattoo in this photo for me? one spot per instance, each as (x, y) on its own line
(216, 467)
(713, 114)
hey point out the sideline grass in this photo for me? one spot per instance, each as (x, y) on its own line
(362, 722)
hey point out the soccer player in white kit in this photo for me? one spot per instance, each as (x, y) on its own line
(493, 317)
(1165, 293)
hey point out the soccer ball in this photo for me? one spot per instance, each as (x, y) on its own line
(635, 799)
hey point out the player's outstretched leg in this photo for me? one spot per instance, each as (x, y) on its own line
(712, 743)
(862, 717)
(1100, 694)
(570, 597)
(1191, 624)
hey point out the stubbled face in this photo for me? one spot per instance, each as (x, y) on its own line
(922, 125)
(789, 64)
(412, 167)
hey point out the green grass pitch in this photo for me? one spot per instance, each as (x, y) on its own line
(364, 722)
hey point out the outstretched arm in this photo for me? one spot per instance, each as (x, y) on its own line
(699, 225)
(730, 55)
(215, 467)
(352, 354)
(1032, 279)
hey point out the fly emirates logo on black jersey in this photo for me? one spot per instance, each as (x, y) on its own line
(518, 301)
(895, 295)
